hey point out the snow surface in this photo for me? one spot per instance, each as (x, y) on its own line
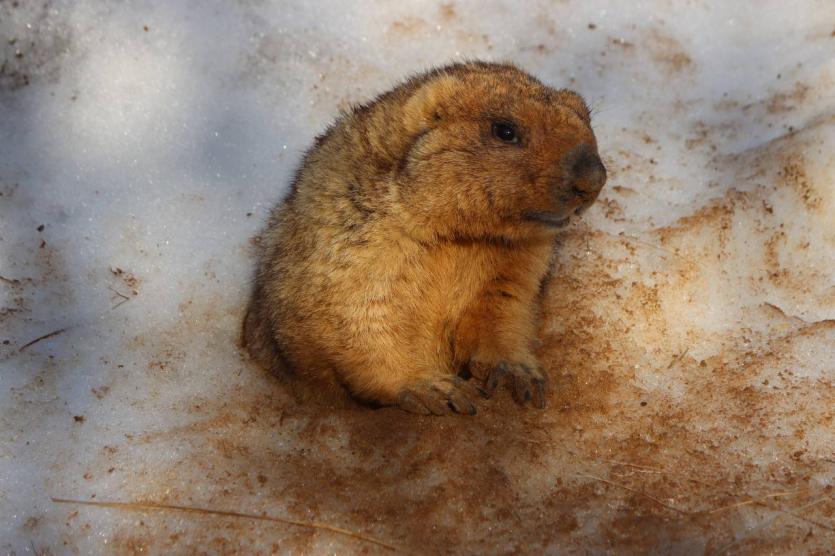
(689, 328)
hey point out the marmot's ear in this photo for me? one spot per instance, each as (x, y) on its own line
(429, 104)
(574, 101)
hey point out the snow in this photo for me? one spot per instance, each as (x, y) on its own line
(689, 327)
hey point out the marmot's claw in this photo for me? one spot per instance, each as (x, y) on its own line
(408, 402)
(495, 376)
(440, 397)
(470, 388)
(460, 404)
(540, 389)
(527, 382)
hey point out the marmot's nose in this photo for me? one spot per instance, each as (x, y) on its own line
(584, 170)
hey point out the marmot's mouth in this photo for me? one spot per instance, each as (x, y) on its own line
(547, 218)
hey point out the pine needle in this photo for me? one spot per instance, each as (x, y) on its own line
(636, 491)
(765, 524)
(44, 337)
(758, 499)
(153, 506)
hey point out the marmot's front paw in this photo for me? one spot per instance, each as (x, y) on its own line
(527, 381)
(441, 396)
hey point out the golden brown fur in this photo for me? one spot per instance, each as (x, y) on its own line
(412, 245)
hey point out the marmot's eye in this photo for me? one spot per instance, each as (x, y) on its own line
(505, 131)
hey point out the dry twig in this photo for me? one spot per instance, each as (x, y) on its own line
(11, 281)
(124, 297)
(152, 506)
(645, 468)
(651, 245)
(678, 358)
(758, 499)
(636, 491)
(44, 337)
(766, 523)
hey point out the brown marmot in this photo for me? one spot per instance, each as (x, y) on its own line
(404, 266)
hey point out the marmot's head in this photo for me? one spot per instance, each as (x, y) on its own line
(492, 150)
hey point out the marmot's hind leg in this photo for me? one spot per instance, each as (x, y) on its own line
(258, 340)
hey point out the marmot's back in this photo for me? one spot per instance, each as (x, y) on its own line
(410, 249)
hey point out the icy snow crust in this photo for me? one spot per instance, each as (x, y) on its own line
(688, 328)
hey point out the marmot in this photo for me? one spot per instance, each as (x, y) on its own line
(404, 266)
